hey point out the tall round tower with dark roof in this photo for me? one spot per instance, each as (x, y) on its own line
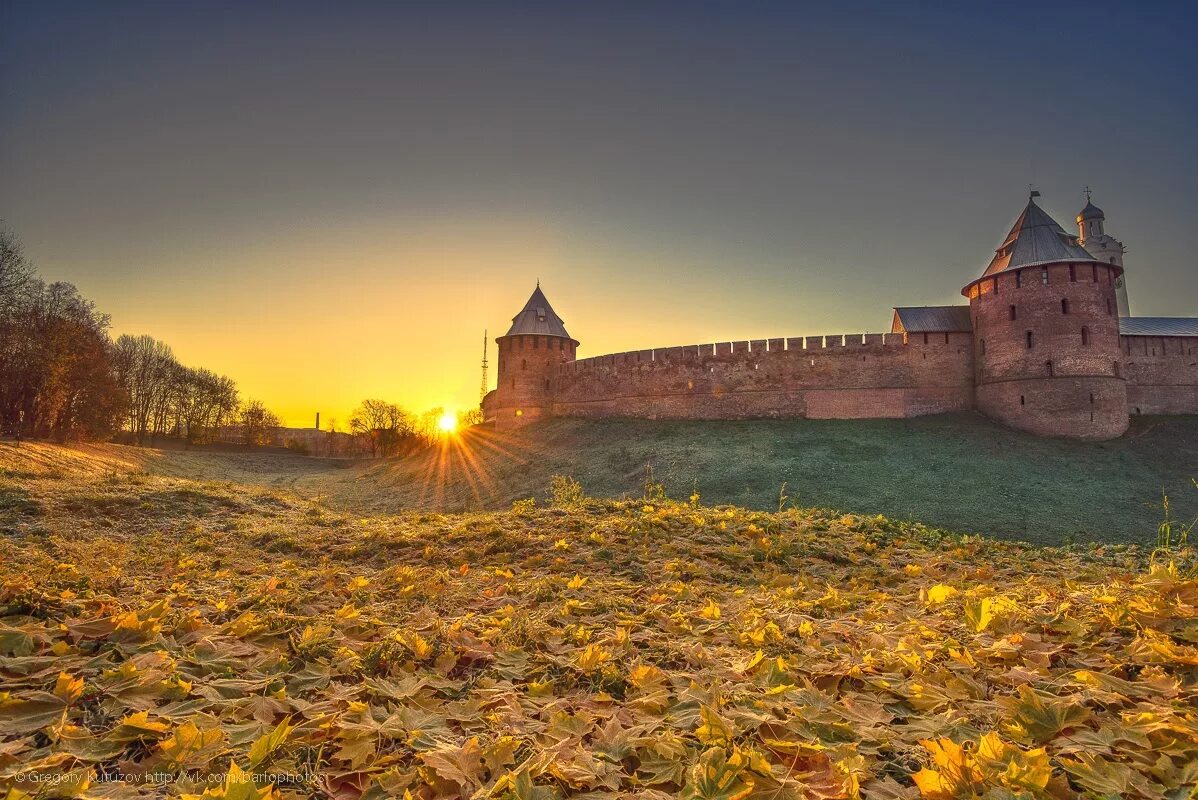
(1046, 334)
(529, 354)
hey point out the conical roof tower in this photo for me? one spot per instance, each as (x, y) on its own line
(1035, 239)
(538, 318)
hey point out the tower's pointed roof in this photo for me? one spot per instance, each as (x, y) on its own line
(538, 317)
(1035, 239)
(1091, 211)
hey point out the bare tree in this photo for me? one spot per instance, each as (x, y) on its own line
(259, 426)
(385, 427)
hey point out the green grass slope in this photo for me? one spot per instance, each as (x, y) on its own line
(955, 471)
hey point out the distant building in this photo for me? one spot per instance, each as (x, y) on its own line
(1046, 344)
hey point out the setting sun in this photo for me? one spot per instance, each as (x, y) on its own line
(448, 423)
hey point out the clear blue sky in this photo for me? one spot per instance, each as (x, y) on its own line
(331, 201)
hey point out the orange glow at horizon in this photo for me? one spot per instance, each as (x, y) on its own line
(319, 319)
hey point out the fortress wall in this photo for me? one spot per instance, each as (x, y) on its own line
(1162, 374)
(833, 376)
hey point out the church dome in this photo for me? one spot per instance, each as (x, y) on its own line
(1091, 211)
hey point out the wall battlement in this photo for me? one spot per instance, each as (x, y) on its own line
(834, 375)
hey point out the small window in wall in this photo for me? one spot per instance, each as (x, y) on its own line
(1048, 368)
(1021, 400)
(1031, 340)
(1085, 336)
(995, 285)
(1072, 273)
(1112, 259)
(946, 338)
(1108, 306)
(1018, 278)
(524, 363)
(1011, 313)
(1117, 375)
(1091, 398)
(1044, 275)
(983, 343)
(925, 338)
(1094, 267)
(1064, 305)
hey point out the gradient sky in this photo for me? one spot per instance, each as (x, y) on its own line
(329, 202)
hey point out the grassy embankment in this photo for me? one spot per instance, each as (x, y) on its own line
(959, 472)
(200, 631)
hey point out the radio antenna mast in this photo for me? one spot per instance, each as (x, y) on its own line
(482, 392)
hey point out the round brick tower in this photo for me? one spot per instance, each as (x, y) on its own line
(529, 354)
(1046, 334)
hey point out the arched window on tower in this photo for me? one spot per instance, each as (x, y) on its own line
(1085, 337)
(1048, 368)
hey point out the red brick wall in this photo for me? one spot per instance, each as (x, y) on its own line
(1081, 394)
(842, 376)
(1162, 374)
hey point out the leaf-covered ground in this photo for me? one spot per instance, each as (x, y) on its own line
(165, 637)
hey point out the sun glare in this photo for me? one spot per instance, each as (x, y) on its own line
(448, 423)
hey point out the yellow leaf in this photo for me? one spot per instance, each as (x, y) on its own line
(68, 688)
(189, 746)
(592, 656)
(940, 592)
(577, 582)
(266, 744)
(711, 610)
(713, 730)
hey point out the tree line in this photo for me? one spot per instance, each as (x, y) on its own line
(63, 377)
(386, 429)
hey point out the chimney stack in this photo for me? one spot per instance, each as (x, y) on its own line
(317, 420)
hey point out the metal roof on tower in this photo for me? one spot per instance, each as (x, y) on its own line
(538, 318)
(1091, 211)
(1036, 239)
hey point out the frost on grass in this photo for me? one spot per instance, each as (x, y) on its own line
(270, 648)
